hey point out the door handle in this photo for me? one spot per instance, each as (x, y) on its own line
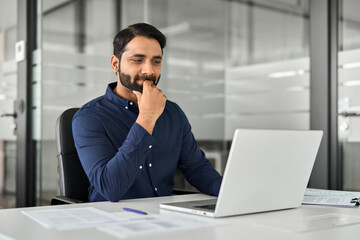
(349, 114)
(14, 115)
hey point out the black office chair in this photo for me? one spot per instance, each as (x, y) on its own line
(74, 183)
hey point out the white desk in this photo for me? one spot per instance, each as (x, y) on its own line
(16, 225)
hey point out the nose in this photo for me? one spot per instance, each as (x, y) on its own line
(147, 68)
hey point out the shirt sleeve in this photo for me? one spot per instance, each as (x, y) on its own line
(196, 167)
(111, 171)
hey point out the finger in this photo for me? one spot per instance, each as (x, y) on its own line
(146, 86)
(147, 83)
(137, 94)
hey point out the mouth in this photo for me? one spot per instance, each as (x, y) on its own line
(141, 81)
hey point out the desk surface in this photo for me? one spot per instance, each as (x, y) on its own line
(254, 226)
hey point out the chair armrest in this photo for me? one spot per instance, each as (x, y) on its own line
(179, 191)
(60, 200)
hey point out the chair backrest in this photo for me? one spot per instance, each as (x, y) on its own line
(73, 180)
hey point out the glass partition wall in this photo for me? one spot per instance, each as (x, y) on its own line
(8, 95)
(228, 64)
(77, 45)
(16, 169)
(348, 94)
(267, 66)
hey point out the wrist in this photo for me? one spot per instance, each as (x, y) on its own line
(147, 123)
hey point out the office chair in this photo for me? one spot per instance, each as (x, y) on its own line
(73, 182)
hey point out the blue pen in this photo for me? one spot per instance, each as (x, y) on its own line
(135, 211)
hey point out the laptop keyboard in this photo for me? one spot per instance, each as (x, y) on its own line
(210, 206)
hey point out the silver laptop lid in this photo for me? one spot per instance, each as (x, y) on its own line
(267, 170)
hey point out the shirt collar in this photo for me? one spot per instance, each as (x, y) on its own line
(111, 96)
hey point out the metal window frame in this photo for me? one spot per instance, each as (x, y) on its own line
(26, 154)
(323, 91)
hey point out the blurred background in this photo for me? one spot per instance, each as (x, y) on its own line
(228, 63)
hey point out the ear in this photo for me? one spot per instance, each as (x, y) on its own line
(114, 62)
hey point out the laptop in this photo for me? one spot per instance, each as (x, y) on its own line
(266, 170)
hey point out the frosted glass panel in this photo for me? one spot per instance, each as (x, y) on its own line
(71, 80)
(8, 94)
(228, 64)
(349, 93)
(269, 95)
(75, 68)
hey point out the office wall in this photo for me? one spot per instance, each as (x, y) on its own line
(348, 94)
(75, 69)
(8, 94)
(228, 64)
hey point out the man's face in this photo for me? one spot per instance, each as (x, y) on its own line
(141, 61)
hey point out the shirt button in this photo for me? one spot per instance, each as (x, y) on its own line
(126, 107)
(140, 167)
(131, 103)
(155, 189)
(150, 146)
(150, 165)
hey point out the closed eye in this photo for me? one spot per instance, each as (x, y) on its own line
(157, 60)
(137, 60)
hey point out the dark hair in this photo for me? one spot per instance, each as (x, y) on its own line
(139, 29)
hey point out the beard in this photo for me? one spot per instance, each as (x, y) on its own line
(126, 81)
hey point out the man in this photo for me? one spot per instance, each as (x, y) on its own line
(131, 140)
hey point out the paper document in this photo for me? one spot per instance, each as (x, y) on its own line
(72, 218)
(119, 224)
(330, 193)
(141, 225)
(331, 198)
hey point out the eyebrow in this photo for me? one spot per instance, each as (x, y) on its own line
(138, 55)
(142, 55)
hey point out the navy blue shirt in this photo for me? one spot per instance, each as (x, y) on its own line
(123, 161)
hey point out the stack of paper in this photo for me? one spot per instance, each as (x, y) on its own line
(331, 198)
